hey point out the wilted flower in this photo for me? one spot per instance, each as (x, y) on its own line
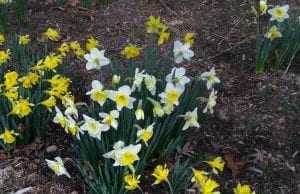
(182, 51)
(58, 167)
(97, 93)
(210, 78)
(211, 102)
(243, 189)
(191, 119)
(273, 33)
(96, 59)
(279, 13)
(217, 163)
(177, 76)
(161, 173)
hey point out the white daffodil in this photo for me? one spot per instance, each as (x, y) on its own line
(211, 102)
(93, 127)
(150, 82)
(117, 147)
(279, 13)
(138, 80)
(144, 134)
(210, 78)
(58, 167)
(72, 127)
(168, 108)
(171, 94)
(71, 109)
(263, 7)
(139, 113)
(97, 93)
(182, 51)
(110, 119)
(96, 59)
(127, 155)
(177, 76)
(191, 119)
(157, 109)
(60, 118)
(273, 33)
(122, 97)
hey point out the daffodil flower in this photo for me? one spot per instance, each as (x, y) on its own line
(58, 167)
(279, 13)
(132, 182)
(243, 189)
(208, 187)
(60, 118)
(91, 43)
(52, 34)
(9, 136)
(138, 80)
(161, 174)
(199, 176)
(96, 59)
(131, 51)
(263, 7)
(182, 51)
(127, 155)
(93, 127)
(122, 97)
(191, 119)
(171, 94)
(273, 33)
(150, 82)
(139, 113)
(210, 78)
(110, 119)
(24, 39)
(217, 163)
(211, 102)
(189, 38)
(157, 109)
(144, 134)
(97, 93)
(177, 76)
(119, 145)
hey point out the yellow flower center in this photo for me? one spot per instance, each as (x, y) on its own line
(121, 99)
(172, 96)
(128, 158)
(99, 95)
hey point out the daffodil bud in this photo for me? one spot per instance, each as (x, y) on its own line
(116, 79)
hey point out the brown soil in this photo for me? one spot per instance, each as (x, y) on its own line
(254, 115)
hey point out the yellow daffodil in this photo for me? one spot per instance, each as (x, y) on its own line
(29, 80)
(52, 34)
(74, 45)
(8, 136)
(49, 103)
(132, 182)
(161, 174)
(79, 53)
(279, 13)
(208, 187)
(199, 176)
(163, 36)
(131, 51)
(273, 33)
(24, 39)
(22, 108)
(52, 61)
(11, 79)
(217, 163)
(12, 93)
(2, 39)
(189, 38)
(243, 189)
(154, 24)
(4, 57)
(58, 167)
(64, 49)
(91, 43)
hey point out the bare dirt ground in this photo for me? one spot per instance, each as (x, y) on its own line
(257, 118)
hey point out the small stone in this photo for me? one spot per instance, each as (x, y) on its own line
(279, 108)
(74, 192)
(52, 148)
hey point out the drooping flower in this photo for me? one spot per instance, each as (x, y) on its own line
(122, 97)
(91, 43)
(58, 167)
(161, 174)
(49, 103)
(177, 76)
(117, 147)
(191, 119)
(139, 113)
(273, 33)
(144, 134)
(189, 38)
(96, 59)
(24, 39)
(110, 119)
(131, 51)
(199, 176)
(127, 155)
(69, 104)
(154, 24)
(93, 127)
(150, 82)
(157, 109)
(138, 80)
(263, 7)
(182, 51)
(9, 136)
(217, 163)
(210, 78)
(208, 187)
(60, 118)
(279, 13)
(243, 189)
(52, 34)
(171, 94)
(72, 127)
(132, 182)
(211, 102)
(97, 93)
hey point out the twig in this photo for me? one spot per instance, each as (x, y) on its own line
(168, 8)
(225, 51)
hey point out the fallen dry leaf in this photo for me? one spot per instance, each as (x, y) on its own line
(73, 3)
(234, 166)
(186, 150)
(3, 156)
